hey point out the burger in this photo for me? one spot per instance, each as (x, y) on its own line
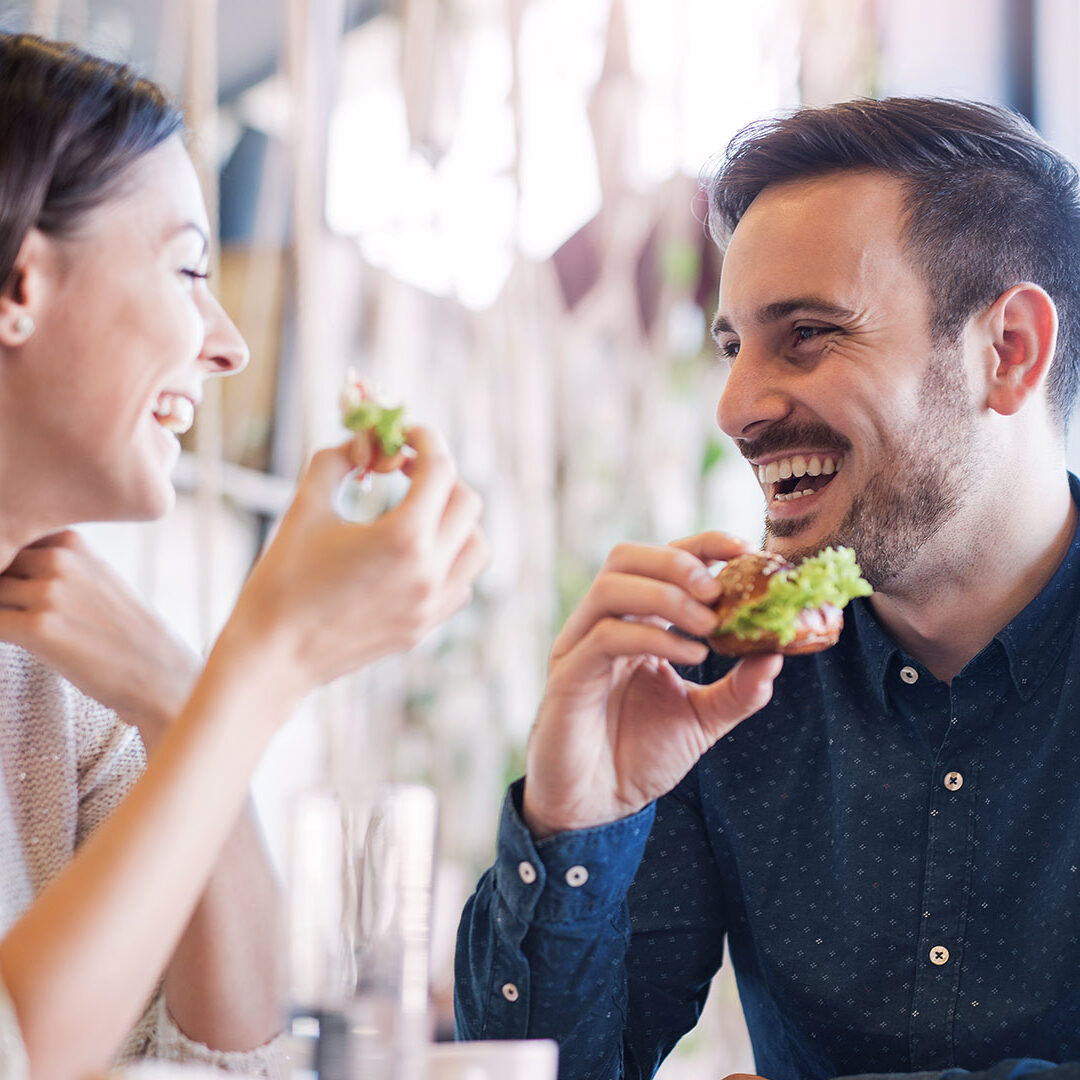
(769, 605)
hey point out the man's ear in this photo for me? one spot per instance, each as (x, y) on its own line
(1022, 328)
(22, 295)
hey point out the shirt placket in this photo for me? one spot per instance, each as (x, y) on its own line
(946, 889)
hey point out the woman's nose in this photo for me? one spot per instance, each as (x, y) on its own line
(224, 350)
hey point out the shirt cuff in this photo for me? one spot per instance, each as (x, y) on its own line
(573, 875)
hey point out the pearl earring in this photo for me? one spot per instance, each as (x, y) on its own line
(24, 326)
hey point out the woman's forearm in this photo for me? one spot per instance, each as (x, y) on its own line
(225, 983)
(82, 962)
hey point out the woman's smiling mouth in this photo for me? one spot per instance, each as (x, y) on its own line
(174, 412)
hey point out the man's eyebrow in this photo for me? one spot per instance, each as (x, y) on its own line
(782, 309)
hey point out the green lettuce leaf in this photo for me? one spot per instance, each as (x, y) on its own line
(387, 425)
(830, 577)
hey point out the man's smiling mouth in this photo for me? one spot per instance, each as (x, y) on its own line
(791, 478)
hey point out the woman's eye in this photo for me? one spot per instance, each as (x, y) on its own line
(195, 275)
(728, 350)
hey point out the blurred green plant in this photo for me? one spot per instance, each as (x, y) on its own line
(712, 454)
(680, 263)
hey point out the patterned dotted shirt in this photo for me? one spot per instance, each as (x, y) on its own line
(894, 861)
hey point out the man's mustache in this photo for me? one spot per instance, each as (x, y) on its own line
(793, 436)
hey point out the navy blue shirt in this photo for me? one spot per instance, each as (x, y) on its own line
(894, 861)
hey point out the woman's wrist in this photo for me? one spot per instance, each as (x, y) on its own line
(258, 657)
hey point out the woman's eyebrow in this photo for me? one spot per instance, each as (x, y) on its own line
(782, 309)
(195, 227)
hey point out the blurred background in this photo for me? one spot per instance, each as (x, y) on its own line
(490, 208)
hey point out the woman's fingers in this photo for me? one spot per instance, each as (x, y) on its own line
(458, 521)
(474, 555)
(19, 593)
(433, 476)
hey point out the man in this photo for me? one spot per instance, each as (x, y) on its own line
(891, 844)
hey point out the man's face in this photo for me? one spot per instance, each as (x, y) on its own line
(860, 429)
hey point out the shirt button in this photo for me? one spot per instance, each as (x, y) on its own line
(954, 781)
(510, 991)
(576, 876)
(939, 955)
(909, 674)
(527, 872)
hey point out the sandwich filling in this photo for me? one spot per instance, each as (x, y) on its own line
(830, 577)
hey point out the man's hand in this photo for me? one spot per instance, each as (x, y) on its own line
(617, 727)
(64, 604)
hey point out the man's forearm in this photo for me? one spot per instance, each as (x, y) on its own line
(224, 986)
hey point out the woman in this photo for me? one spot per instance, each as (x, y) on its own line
(107, 330)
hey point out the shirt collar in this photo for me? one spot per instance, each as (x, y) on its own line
(874, 643)
(1032, 640)
(1035, 638)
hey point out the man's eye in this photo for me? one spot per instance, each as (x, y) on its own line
(806, 333)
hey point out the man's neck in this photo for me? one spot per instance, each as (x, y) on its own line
(954, 603)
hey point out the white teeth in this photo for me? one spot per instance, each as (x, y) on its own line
(797, 466)
(174, 412)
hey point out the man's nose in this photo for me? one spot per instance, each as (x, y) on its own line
(224, 350)
(752, 397)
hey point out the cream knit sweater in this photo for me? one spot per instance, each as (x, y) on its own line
(65, 763)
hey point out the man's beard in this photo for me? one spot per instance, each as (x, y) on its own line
(918, 489)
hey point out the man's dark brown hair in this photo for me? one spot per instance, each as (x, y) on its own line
(989, 203)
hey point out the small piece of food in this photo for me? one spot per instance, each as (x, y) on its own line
(768, 605)
(360, 412)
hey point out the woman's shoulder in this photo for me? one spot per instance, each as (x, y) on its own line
(32, 688)
(37, 704)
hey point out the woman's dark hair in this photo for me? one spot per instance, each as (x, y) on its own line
(988, 202)
(70, 124)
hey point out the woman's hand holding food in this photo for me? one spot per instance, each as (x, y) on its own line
(618, 727)
(329, 596)
(63, 603)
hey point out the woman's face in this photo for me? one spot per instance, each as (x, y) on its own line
(126, 330)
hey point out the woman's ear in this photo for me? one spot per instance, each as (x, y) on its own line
(1022, 329)
(22, 295)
